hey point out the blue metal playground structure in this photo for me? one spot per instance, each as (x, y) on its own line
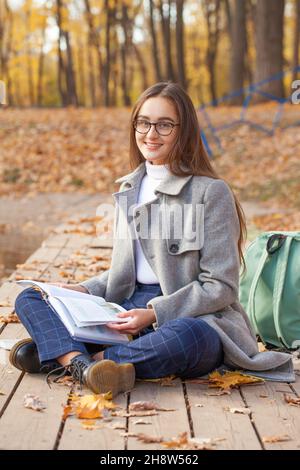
(248, 92)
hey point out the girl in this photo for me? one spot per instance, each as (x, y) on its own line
(175, 266)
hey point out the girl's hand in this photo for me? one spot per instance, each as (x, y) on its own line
(77, 287)
(140, 319)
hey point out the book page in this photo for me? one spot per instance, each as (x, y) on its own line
(87, 312)
(58, 291)
(90, 334)
(85, 309)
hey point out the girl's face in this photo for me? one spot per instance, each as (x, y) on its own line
(155, 147)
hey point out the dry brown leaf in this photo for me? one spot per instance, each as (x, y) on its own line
(141, 421)
(117, 426)
(147, 405)
(33, 402)
(91, 406)
(144, 438)
(243, 411)
(67, 381)
(5, 303)
(184, 442)
(133, 414)
(231, 380)
(272, 439)
(294, 401)
(11, 318)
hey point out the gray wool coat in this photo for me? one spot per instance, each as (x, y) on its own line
(198, 278)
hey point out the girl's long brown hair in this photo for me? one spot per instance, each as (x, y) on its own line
(188, 156)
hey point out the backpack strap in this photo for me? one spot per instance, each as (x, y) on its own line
(254, 284)
(279, 281)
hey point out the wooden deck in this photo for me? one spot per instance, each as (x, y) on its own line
(196, 410)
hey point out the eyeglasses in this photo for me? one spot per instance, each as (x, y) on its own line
(161, 127)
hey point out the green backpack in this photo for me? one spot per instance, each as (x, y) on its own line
(270, 288)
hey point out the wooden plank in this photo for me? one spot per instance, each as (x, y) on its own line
(25, 429)
(45, 253)
(77, 241)
(101, 243)
(213, 420)
(8, 293)
(166, 424)
(55, 241)
(106, 438)
(9, 376)
(272, 416)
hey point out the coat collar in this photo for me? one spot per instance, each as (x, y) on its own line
(171, 185)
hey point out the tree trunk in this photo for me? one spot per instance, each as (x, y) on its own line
(212, 16)
(94, 40)
(142, 66)
(269, 46)
(92, 87)
(61, 66)
(166, 34)
(296, 48)
(41, 68)
(6, 42)
(114, 68)
(109, 12)
(29, 57)
(155, 52)
(66, 73)
(238, 41)
(70, 73)
(124, 55)
(81, 74)
(180, 43)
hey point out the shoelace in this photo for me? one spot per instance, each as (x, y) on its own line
(63, 369)
(76, 369)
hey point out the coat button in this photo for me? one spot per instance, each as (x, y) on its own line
(137, 214)
(174, 248)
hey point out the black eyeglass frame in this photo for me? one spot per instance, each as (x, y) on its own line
(154, 124)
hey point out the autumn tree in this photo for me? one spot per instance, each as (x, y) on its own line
(6, 30)
(180, 43)
(269, 46)
(236, 19)
(66, 72)
(212, 11)
(296, 45)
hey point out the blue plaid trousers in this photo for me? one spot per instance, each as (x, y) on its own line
(186, 347)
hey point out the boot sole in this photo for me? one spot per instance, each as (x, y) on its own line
(14, 350)
(108, 376)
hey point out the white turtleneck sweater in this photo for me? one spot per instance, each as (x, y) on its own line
(154, 175)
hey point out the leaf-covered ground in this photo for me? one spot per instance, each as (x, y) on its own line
(67, 150)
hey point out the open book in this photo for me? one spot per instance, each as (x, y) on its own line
(84, 315)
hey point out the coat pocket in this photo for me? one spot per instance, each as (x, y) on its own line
(179, 247)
